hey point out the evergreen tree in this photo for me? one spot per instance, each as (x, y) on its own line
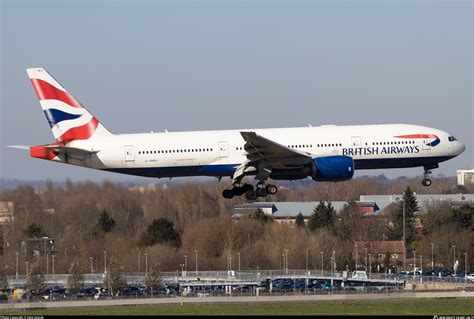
(105, 222)
(261, 216)
(75, 280)
(299, 221)
(323, 216)
(34, 230)
(411, 203)
(462, 216)
(161, 231)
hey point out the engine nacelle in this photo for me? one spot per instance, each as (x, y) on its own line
(333, 168)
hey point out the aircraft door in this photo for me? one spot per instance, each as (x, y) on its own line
(355, 141)
(426, 146)
(129, 155)
(223, 150)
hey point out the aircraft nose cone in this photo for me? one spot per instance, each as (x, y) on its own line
(460, 147)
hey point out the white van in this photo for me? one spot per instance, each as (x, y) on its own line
(358, 274)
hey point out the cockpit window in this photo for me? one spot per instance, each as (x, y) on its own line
(452, 139)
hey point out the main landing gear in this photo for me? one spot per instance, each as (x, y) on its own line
(261, 190)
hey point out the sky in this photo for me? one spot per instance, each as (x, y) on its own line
(143, 66)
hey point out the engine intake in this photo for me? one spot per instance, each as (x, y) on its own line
(333, 168)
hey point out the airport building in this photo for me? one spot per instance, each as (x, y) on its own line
(465, 176)
(6, 212)
(379, 252)
(287, 211)
(369, 205)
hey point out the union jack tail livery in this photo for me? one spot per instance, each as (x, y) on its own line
(68, 119)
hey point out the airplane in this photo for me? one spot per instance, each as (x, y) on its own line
(324, 153)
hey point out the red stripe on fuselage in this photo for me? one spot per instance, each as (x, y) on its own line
(46, 91)
(82, 132)
(418, 136)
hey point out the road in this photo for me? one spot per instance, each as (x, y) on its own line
(238, 299)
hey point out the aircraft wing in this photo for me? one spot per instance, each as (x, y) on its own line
(260, 149)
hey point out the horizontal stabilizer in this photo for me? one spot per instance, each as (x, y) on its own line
(51, 151)
(20, 147)
(59, 149)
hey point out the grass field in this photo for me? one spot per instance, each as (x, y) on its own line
(379, 307)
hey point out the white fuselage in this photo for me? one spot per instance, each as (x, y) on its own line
(218, 153)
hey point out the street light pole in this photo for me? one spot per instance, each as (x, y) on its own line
(146, 265)
(414, 266)
(238, 254)
(432, 256)
(26, 267)
(91, 263)
(186, 262)
(454, 260)
(356, 256)
(322, 261)
(105, 261)
(370, 267)
(196, 261)
(465, 267)
(16, 265)
(307, 249)
(138, 262)
(404, 239)
(366, 266)
(52, 256)
(286, 258)
(421, 268)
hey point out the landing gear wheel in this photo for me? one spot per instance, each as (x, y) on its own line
(228, 193)
(426, 182)
(251, 195)
(238, 191)
(272, 189)
(261, 192)
(247, 187)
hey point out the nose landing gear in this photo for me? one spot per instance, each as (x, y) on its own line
(426, 181)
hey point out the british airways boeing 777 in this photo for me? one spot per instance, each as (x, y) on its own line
(325, 153)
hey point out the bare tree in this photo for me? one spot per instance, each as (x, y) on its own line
(35, 281)
(3, 278)
(153, 280)
(114, 280)
(75, 280)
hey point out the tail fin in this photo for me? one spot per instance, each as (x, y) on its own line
(68, 119)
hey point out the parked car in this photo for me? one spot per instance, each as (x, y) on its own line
(470, 277)
(430, 273)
